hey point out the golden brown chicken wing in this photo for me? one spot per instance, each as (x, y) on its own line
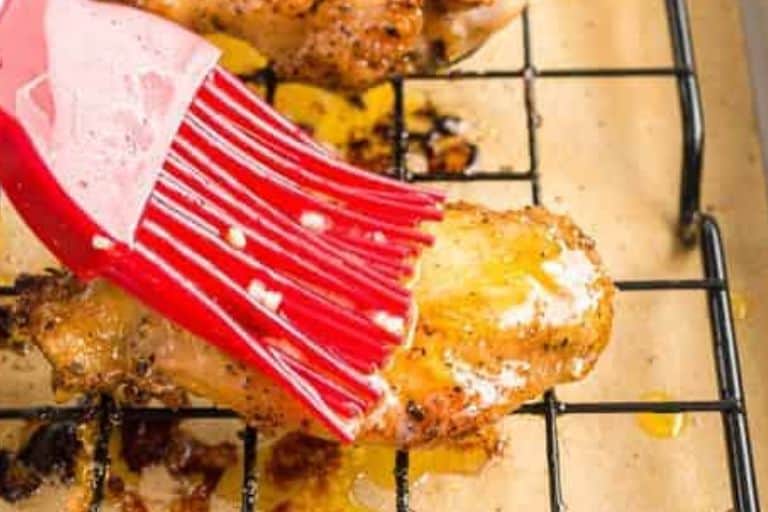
(510, 305)
(347, 44)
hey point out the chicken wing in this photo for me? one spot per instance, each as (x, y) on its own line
(510, 305)
(347, 44)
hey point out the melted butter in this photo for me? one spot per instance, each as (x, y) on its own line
(661, 426)
(509, 274)
(365, 475)
(375, 463)
(467, 324)
(333, 118)
(237, 56)
(422, 374)
(565, 302)
(739, 305)
(488, 387)
(506, 279)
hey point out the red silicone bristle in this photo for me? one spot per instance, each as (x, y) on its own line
(293, 199)
(296, 300)
(250, 212)
(289, 256)
(333, 241)
(194, 253)
(234, 87)
(154, 277)
(287, 253)
(216, 185)
(244, 107)
(389, 209)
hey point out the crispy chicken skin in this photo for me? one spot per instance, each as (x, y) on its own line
(510, 304)
(348, 44)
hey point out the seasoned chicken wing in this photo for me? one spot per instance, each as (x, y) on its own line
(348, 44)
(510, 305)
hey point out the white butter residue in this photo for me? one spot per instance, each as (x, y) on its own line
(388, 402)
(489, 387)
(270, 299)
(390, 323)
(315, 221)
(574, 275)
(577, 367)
(377, 417)
(101, 243)
(236, 238)
(379, 237)
(521, 313)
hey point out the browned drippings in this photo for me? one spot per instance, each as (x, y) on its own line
(438, 143)
(128, 501)
(297, 457)
(444, 142)
(360, 127)
(307, 474)
(198, 465)
(17, 481)
(49, 453)
(198, 499)
(145, 443)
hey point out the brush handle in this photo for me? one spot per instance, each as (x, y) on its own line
(51, 214)
(101, 90)
(22, 47)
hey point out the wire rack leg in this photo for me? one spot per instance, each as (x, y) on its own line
(692, 119)
(743, 484)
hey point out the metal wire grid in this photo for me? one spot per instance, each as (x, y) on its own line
(693, 226)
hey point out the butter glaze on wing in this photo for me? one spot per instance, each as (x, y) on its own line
(349, 44)
(510, 305)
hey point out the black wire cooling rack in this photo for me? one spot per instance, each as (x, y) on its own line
(694, 226)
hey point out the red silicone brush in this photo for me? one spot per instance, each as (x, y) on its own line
(134, 158)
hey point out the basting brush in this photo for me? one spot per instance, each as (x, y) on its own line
(135, 158)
